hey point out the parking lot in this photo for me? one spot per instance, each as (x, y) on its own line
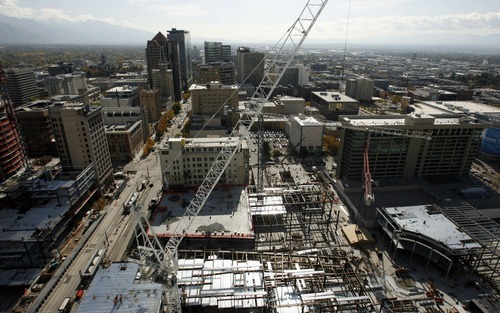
(277, 141)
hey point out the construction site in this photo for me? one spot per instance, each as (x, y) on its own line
(295, 255)
(291, 242)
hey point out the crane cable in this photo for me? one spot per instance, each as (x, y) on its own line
(346, 35)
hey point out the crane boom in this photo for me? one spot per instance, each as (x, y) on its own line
(295, 36)
(166, 257)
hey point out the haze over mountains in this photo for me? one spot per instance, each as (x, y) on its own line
(61, 31)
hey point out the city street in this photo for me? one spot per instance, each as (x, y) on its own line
(114, 233)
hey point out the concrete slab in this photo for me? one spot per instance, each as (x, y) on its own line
(224, 215)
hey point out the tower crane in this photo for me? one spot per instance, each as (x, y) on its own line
(165, 257)
(368, 196)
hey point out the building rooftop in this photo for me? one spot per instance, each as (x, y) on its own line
(306, 120)
(213, 86)
(224, 215)
(122, 128)
(331, 96)
(422, 219)
(202, 142)
(44, 215)
(118, 289)
(456, 107)
(122, 89)
(413, 118)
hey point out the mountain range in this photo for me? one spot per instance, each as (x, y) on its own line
(58, 31)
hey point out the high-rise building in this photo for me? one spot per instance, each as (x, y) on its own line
(149, 99)
(183, 39)
(250, 66)
(162, 50)
(226, 53)
(81, 139)
(454, 144)
(207, 99)
(36, 127)
(196, 158)
(163, 79)
(359, 88)
(217, 71)
(21, 84)
(215, 51)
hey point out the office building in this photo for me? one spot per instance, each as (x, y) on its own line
(122, 97)
(250, 66)
(128, 116)
(215, 98)
(38, 136)
(81, 139)
(186, 161)
(163, 80)
(125, 141)
(359, 88)
(306, 134)
(215, 51)
(22, 87)
(183, 39)
(454, 144)
(66, 84)
(333, 104)
(149, 99)
(162, 50)
(217, 71)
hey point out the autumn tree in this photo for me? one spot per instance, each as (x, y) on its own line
(148, 146)
(331, 144)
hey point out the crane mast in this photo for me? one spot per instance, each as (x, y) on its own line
(166, 257)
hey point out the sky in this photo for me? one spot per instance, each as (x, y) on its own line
(372, 21)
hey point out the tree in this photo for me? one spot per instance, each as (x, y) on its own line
(176, 108)
(331, 144)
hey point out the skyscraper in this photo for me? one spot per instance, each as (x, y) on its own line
(250, 66)
(159, 50)
(213, 51)
(183, 39)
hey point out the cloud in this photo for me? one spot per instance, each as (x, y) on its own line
(362, 27)
(178, 11)
(11, 8)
